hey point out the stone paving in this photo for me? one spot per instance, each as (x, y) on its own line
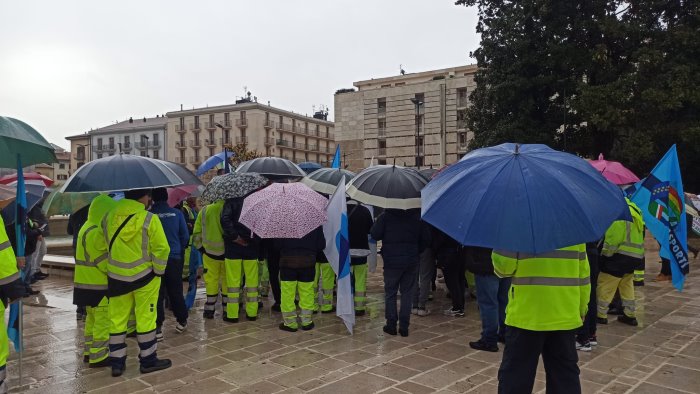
(660, 356)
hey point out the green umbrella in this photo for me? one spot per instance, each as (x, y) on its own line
(18, 138)
(58, 203)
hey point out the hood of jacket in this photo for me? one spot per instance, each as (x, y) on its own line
(121, 211)
(99, 208)
(637, 218)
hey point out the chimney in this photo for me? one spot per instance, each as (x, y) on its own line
(131, 120)
(180, 107)
(144, 119)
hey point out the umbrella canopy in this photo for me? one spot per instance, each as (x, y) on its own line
(309, 166)
(122, 172)
(388, 186)
(614, 171)
(7, 195)
(28, 176)
(213, 162)
(284, 210)
(35, 192)
(232, 185)
(58, 203)
(522, 198)
(188, 178)
(18, 138)
(326, 180)
(178, 194)
(273, 168)
(428, 173)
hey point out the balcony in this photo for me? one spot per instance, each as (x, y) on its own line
(195, 126)
(312, 147)
(155, 144)
(180, 128)
(210, 142)
(298, 145)
(242, 123)
(195, 143)
(269, 141)
(180, 145)
(381, 132)
(195, 160)
(210, 125)
(241, 140)
(180, 160)
(284, 143)
(108, 148)
(284, 127)
(226, 124)
(224, 141)
(79, 157)
(126, 147)
(381, 151)
(269, 124)
(142, 145)
(381, 112)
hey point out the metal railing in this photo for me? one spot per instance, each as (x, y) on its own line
(224, 141)
(242, 140)
(195, 143)
(195, 126)
(180, 160)
(283, 143)
(195, 159)
(180, 128)
(242, 123)
(210, 125)
(381, 151)
(269, 124)
(210, 142)
(180, 145)
(269, 141)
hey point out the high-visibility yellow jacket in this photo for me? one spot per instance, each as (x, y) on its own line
(10, 280)
(549, 291)
(90, 275)
(208, 233)
(626, 238)
(140, 248)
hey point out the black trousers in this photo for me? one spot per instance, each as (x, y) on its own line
(171, 285)
(273, 267)
(589, 327)
(456, 282)
(521, 355)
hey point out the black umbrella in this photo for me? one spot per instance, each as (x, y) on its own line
(388, 186)
(326, 180)
(428, 173)
(122, 172)
(188, 178)
(273, 168)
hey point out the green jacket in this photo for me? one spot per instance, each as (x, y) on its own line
(208, 233)
(11, 286)
(140, 248)
(549, 291)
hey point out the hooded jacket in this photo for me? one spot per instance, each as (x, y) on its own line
(623, 246)
(175, 227)
(139, 251)
(90, 274)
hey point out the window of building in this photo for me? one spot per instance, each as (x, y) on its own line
(267, 117)
(399, 84)
(111, 142)
(81, 153)
(462, 139)
(420, 145)
(156, 154)
(419, 125)
(61, 166)
(144, 153)
(381, 144)
(388, 85)
(127, 141)
(182, 156)
(99, 155)
(196, 121)
(381, 106)
(155, 139)
(242, 114)
(381, 127)
(462, 97)
(99, 143)
(182, 123)
(381, 161)
(211, 120)
(227, 119)
(461, 119)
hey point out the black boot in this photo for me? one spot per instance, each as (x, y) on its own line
(156, 366)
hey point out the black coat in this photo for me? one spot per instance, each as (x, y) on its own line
(308, 246)
(359, 225)
(233, 229)
(478, 260)
(404, 237)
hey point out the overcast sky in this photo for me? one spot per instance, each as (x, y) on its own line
(68, 66)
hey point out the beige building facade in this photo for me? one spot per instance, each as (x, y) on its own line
(195, 135)
(414, 119)
(79, 149)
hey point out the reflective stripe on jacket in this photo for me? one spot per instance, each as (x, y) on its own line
(208, 233)
(8, 263)
(549, 291)
(626, 238)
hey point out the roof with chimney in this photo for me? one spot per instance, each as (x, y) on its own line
(132, 124)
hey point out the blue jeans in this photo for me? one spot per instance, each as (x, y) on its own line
(492, 297)
(404, 280)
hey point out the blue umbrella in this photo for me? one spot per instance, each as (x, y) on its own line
(309, 166)
(214, 161)
(34, 194)
(521, 198)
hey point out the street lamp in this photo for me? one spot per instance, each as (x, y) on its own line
(418, 104)
(223, 142)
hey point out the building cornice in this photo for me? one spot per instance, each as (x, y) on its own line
(245, 107)
(471, 68)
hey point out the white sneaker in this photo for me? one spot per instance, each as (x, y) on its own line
(414, 311)
(584, 347)
(422, 312)
(180, 328)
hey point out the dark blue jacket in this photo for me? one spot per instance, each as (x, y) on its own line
(175, 228)
(404, 237)
(233, 229)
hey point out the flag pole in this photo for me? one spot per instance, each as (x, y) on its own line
(21, 237)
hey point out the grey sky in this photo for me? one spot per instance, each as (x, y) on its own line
(68, 66)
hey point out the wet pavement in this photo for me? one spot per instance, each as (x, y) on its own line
(660, 356)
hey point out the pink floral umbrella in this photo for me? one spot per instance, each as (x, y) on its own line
(284, 210)
(614, 171)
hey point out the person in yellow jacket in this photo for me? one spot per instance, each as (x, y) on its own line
(90, 283)
(623, 250)
(208, 238)
(137, 255)
(547, 301)
(11, 288)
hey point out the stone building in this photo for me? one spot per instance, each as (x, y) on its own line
(412, 119)
(196, 134)
(59, 171)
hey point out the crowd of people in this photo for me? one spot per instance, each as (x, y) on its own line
(130, 255)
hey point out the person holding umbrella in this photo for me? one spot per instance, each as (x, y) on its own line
(176, 233)
(138, 253)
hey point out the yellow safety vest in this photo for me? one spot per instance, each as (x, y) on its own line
(626, 238)
(208, 232)
(8, 262)
(91, 251)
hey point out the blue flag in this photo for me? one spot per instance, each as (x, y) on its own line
(13, 331)
(336, 157)
(338, 253)
(660, 197)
